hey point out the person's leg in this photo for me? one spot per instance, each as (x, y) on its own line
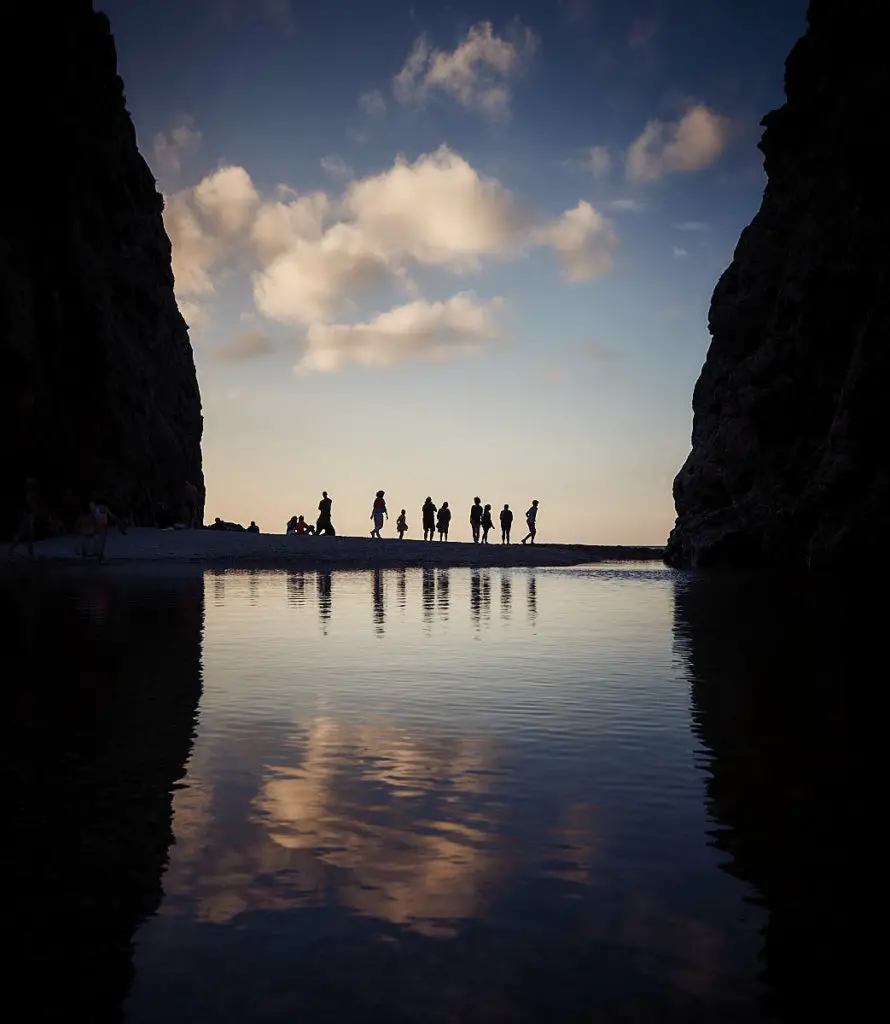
(532, 533)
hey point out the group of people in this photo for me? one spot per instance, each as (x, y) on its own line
(435, 520)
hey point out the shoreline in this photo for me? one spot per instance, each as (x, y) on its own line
(211, 549)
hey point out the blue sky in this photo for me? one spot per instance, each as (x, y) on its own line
(452, 249)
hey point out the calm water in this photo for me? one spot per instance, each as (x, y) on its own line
(596, 794)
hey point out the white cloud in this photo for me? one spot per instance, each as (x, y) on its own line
(336, 166)
(246, 346)
(690, 144)
(169, 149)
(599, 160)
(372, 102)
(678, 252)
(476, 73)
(195, 315)
(417, 330)
(583, 240)
(627, 205)
(195, 251)
(227, 199)
(691, 225)
(289, 220)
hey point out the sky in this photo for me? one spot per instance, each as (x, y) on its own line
(452, 249)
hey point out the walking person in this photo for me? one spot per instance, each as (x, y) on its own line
(377, 513)
(476, 518)
(531, 517)
(506, 524)
(402, 525)
(323, 524)
(444, 520)
(428, 514)
(487, 523)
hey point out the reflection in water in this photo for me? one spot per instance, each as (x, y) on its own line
(296, 589)
(102, 680)
(443, 581)
(219, 586)
(323, 586)
(377, 597)
(486, 594)
(770, 670)
(253, 586)
(506, 595)
(475, 596)
(428, 595)
(532, 598)
(402, 588)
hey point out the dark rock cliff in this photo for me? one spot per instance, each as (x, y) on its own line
(98, 392)
(789, 461)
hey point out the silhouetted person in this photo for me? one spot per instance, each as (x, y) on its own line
(531, 517)
(253, 528)
(506, 524)
(190, 505)
(402, 524)
(428, 513)
(302, 527)
(487, 523)
(28, 521)
(291, 525)
(324, 524)
(377, 514)
(476, 518)
(443, 521)
(94, 529)
(217, 524)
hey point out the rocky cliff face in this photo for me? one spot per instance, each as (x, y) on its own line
(98, 393)
(789, 460)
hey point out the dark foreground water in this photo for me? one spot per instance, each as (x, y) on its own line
(597, 794)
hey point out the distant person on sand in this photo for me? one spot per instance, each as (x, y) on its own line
(402, 524)
(94, 529)
(301, 527)
(487, 524)
(506, 524)
(253, 528)
(444, 520)
(28, 521)
(428, 512)
(324, 524)
(190, 505)
(377, 514)
(476, 518)
(291, 525)
(531, 517)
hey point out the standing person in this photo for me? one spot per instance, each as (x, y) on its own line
(476, 518)
(443, 521)
(377, 514)
(487, 524)
(506, 524)
(402, 524)
(428, 512)
(531, 517)
(324, 524)
(95, 529)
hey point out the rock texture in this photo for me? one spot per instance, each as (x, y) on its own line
(789, 458)
(98, 392)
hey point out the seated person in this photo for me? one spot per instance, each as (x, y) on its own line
(253, 528)
(302, 527)
(291, 526)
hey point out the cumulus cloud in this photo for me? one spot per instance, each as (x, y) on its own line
(372, 102)
(246, 346)
(417, 330)
(194, 314)
(286, 221)
(476, 73)
(599, 160)
(690, 144)
(227, 199)
(195, 250)
(583, 240)
(171, 147)
(336, 166)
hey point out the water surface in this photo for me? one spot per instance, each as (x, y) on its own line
(596, 794)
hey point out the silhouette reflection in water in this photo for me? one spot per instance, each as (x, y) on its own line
(296, 589)
(377, 592)
(102, 680)
(443, 594)
(770, 672)
(429, 594)
(506, 595)
(253, 587)
(532, 598)
(401, 588)
(219, 586)
(323, 587)
(475, 596)
(485, 596)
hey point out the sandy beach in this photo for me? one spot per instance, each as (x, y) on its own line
(215, 549)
